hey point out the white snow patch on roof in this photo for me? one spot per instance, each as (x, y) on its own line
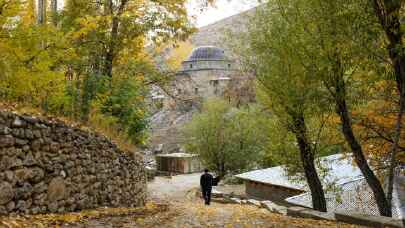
(178, 155)
(352, 196)
(158, 97)
(339, 170)
(274, 176)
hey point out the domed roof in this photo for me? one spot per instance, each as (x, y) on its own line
(207, 53)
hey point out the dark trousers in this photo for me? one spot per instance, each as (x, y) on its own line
(207, 195)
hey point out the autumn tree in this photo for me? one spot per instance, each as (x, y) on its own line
(240, 90)
(29, 54)
(228, 139)
(41, 12)
(54, 12)
(291, 92)
(342, 56)
(333, 41)
(178, 52)
(390, 15)
(87, 59)
(110, 37)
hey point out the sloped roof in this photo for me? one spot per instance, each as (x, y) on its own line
(177, 155)
(339, 169)
(273, 176)
(355, 196)
(352, 193)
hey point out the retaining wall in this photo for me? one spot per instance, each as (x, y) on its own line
(48, 166)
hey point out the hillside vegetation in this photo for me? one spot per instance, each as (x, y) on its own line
(86, 62)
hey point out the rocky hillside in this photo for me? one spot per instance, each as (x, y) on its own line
(216, 34)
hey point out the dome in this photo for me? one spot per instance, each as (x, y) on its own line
(207, 53)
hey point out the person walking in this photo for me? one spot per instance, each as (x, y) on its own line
(206, 182)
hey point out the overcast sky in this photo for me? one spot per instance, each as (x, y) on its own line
(221, 10)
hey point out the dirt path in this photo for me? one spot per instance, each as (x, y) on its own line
(173, 204)
(174, 188)
(194, 214)
(188, 210)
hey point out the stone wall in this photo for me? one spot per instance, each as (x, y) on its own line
(269, 192)
(47, 166)
(355, 218)
(203, 81)
(197, 65)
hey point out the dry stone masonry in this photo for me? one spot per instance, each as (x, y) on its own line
(47, 166)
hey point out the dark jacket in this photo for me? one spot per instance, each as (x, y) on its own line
(216, 180)
(206, 181)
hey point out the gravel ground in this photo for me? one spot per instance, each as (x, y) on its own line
(173, 188)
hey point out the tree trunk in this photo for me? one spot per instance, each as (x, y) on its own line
(54, 8)
(308, 162)
(388, 13)
(111, 51)
(393, 155)
(41, 12)
(372, 180)
(222, 171)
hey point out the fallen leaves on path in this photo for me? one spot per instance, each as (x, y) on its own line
(246, 216)
(192, 213)
(59, 220)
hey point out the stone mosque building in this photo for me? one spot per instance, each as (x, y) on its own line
(205, 74)
(208, 72)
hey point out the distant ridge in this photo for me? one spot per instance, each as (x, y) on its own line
(215, 34)
(245, 13)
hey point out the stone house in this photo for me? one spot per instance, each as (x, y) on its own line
(346, 189)
(270, 184)
(178, 163)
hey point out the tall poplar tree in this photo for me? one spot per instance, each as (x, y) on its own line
(292, 92)
(390, 14)
(333, 41)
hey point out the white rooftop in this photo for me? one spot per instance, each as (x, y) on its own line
(352, 194)
(158, 97)
(355, 196)
(339, 169)
(274, 176)
(177, 155)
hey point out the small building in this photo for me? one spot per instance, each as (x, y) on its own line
(275, 184)
(351, 192)
(270, 184)
(180, 163)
